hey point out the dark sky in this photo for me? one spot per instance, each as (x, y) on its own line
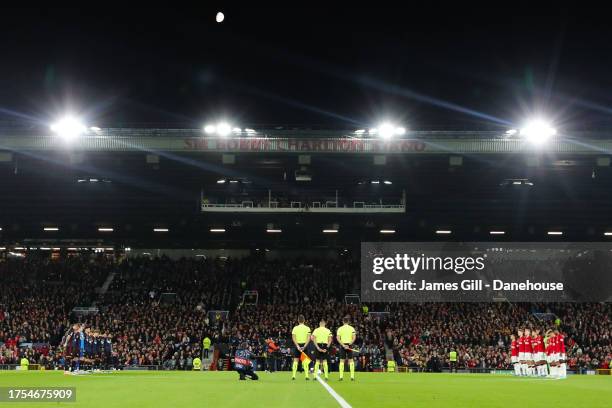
(467, 67)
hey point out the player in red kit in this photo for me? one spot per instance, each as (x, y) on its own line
(562, 367)
(527, 340)
(514, 355)
(539, 357)
(552, 353)
(521, 347)
(548, 349)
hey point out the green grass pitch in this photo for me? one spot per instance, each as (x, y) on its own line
(222, 389)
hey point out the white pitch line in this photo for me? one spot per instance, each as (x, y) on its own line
(334, 394)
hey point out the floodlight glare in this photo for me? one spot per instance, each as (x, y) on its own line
(386, 130)
(209, 129)
(68, 128)
(538, 131)
(223, 129)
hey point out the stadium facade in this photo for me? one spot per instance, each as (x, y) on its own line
(301, 182)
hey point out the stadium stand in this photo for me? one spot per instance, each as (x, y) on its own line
(160, 331)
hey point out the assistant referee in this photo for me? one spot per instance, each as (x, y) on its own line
(346, 337)
(301, 337)
(322, 338)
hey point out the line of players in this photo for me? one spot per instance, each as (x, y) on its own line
(535, 356)
(322, 338)
(87, 348)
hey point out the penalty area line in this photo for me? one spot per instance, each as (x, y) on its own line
(334, 394)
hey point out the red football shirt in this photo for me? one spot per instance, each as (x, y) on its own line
(539, 344)
(560, 344)
(528, 344)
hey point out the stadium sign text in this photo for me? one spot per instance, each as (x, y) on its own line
(305, 145)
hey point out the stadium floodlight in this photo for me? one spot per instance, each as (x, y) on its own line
(360, 131)
(386, 130)
(217, 230)
(105, 229)
(330, 231)
(443, 232)
(48, 229)
(68, 128)
(274, 230)
(223, 129)
(221, 181)
(497, 232)
(210, 129)
(387, 231)
(538, 131)
(608, 234)
(511, 132)
(0, 228)
(388, 182)
(237, 130)
(375, 182)
(160, 230)
(555, 232)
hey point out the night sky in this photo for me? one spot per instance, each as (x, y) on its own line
(427, 68)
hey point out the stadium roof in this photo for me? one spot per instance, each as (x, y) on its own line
(297, 140)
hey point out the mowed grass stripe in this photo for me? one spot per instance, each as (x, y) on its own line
(171, 388)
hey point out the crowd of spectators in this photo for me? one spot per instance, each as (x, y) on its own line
(158, 310)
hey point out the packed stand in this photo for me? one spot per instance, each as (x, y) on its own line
(158, 310)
